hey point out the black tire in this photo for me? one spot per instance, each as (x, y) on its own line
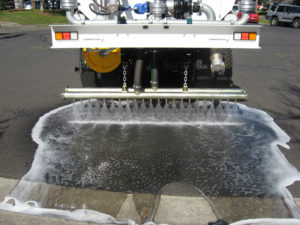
(88, 76)
(296, 23)
(227, 56)
(274, 21)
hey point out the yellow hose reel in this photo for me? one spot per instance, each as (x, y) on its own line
(103, 64)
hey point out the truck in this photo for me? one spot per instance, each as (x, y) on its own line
(156, 49)
(284, 13)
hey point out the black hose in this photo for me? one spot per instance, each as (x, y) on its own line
(103, 10)
(137, 83)
(154, 70)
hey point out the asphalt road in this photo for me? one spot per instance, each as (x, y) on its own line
(32, 76)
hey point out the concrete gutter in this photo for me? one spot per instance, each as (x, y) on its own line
(12, 218)
(179, 210)
(172, 209)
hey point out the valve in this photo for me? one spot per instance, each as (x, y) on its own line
(141, 8)
(247, 6)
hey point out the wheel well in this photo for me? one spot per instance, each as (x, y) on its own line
(274, 17)
(295, 18)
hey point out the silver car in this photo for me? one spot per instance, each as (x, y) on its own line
(284, 13)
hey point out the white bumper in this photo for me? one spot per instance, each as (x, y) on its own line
(156, 36)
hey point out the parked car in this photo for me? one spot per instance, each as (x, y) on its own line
(37, 4)
(284, 13)
(27, 5)
(52, 4)
(253, 17)
(8, 4)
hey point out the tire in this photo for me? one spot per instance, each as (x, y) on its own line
(274, 21)
(227, 56)
(296, 23)
(88, 77)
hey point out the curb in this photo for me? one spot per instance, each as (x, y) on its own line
(171, 209)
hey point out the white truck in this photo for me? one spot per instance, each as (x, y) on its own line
(156, 49)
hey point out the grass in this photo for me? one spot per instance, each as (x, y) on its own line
(263, 20)
(34, 17)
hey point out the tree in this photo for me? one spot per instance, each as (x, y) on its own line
(42, 9)
(33, 4)
(296, 2)
(1, 5)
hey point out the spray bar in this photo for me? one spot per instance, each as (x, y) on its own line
(235, 94)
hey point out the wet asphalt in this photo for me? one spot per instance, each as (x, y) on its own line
(33, 75)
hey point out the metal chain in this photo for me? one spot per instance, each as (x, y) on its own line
(185, 73)
(124, 76)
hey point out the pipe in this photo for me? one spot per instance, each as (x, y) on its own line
(127, 12)
(246, 7)
(178, 21)
(216, 58)
(150, 90)
(154, 71)
(131, 94)
(209, 12)
(71, 18)
(211, 17)
(137, 82)
(244, 19)
(68, 4)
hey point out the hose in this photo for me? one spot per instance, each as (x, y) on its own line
(209, 12)
(103, 10)
(137, 83)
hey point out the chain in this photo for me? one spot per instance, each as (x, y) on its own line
(124, 76)
(185, 79)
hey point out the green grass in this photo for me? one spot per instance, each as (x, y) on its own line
(263, 20)
(34, 17)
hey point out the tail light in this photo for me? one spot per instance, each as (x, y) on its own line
(66, 36)
(244, 36)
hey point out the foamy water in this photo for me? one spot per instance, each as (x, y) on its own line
(229, 154)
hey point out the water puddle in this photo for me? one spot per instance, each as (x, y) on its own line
(96, 160)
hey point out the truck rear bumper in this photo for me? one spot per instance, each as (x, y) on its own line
(156, 36)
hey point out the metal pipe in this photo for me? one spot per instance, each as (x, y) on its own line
(75, 21)
(216, 58)
(137, 82)
(200, 94)
(158, 8)
(209, 12)
(68, 4)
(154, 70)
(244, 19)
(178, 21)
(246, 7)
(156, 95)
(150, 90)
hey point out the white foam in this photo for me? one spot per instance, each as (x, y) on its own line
(156, 123)
(83, 215)
(291, 175)
(268, 221)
